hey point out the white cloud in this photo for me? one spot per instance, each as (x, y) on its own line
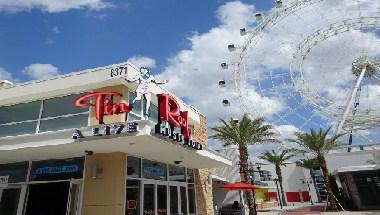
(55, 30)
(51, 6)
(41, 71)
(4, 75)
(141, 61)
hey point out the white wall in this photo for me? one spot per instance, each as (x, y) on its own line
(337, 160)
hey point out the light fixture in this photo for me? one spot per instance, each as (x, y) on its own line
(96, 170)
(224, 65)
(243, 31)
(209, 179)
(278, 3)
(259, 17)
(222, 83)
(226, 102)
(231, 47)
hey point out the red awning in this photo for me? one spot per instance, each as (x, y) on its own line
(240, 186)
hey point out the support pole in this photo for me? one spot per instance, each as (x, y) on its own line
(350, 101)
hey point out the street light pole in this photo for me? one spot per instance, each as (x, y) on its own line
(278, 191)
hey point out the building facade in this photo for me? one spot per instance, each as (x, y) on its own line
(85, 143)
(358, 175)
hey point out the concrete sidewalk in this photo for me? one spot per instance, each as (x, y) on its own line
(309, 209)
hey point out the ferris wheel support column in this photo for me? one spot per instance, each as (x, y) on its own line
(351, 100)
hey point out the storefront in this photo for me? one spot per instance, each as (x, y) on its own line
(92, 143)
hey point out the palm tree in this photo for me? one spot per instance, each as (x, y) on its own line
(278, 159)
(244, 133)
(310, 164)
(318, 143)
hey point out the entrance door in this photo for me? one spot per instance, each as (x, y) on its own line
(48, 198)
(9, 200)
(154, 198)
(73, 204)
(178, 199)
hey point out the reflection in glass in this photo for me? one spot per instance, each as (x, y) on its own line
(9, 201)
(61, 106)
(18, 129)
(20, 112)
(153, 170)
(161, 200)
(132, 197)
(173, 200)
(77, 121)
(137, 105)
(190, 175)
(183, 200)
(148, 199)
(191, 193)
(133, 167)
(176, 173)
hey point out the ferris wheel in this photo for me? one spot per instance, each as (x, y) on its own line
(311, 64)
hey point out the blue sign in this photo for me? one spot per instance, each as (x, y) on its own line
(57, 169)
(154, 171)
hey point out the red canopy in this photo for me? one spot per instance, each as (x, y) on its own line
(240, 186)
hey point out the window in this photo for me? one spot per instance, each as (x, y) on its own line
(153, 113)
(60, 113)
(40, 116)
(133, 167)
(153, 170)
(176, 173)
(190, 176)
(19, 119)
(20, 112)
(136, 110)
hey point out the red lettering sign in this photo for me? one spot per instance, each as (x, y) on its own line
(170, 112)
(103, 105)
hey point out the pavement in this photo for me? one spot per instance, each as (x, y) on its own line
(310, 210)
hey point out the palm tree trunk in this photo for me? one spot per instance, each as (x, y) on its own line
(245, 178)
(315, 185)
(331, 202)
(279, 175)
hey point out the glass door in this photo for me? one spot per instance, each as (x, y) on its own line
(73, 203)
(10, 200)
(155, 198)
(178, 199)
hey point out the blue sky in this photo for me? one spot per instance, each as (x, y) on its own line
(85, 38)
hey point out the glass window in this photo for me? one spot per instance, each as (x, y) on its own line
(133, 197)
(153, 113)
(17, 172)
(61, 106)
(76, 121)
(18, 129)
(137, 105)
(57, 169)
(133, 117)
(183, 200)
(9, 201)
(190, 175)
(173, 200)
(149, 199)
(20, 112)
(133, 167)
(162, 207)
(176, 173)
(191, 193)
(153, 170)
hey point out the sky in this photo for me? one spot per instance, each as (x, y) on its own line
(96, 33)
(183, 42)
